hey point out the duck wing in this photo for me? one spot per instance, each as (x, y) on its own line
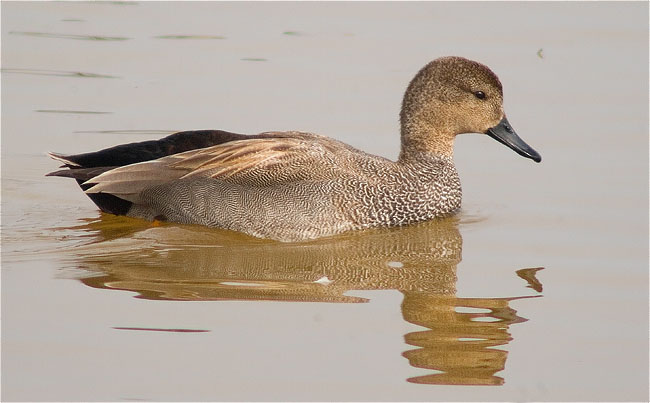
(269, 159)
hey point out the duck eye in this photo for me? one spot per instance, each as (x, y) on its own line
(479, 94)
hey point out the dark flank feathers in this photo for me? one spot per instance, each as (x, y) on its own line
(126, 154)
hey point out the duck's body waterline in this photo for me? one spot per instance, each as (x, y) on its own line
(292, 186)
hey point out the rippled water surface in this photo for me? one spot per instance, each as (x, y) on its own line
(537, 290)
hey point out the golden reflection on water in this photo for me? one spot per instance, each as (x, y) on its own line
(191, 263)
(458, 343)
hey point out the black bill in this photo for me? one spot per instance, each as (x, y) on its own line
(504, 134)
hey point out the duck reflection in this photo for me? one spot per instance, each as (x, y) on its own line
(459, 340)
(174, 262)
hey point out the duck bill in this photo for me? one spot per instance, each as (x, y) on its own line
(504, 134)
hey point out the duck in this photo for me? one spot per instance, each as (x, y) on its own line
(295, 186)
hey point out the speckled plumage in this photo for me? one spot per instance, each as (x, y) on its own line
(346, 190)
(293, 186)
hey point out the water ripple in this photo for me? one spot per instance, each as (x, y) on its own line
(60, 73)
(71, 36)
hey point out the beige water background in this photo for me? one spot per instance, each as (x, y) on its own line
(96, 307)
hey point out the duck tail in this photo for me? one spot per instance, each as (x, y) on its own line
(106, 202)
(67, 162)
(83, 167)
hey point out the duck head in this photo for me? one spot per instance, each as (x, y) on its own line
(450, 96)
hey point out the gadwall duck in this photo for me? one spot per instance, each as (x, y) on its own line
(292, 186)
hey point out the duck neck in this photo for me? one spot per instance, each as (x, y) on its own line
(421, 140)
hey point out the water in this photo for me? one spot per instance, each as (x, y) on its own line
(538, 290)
